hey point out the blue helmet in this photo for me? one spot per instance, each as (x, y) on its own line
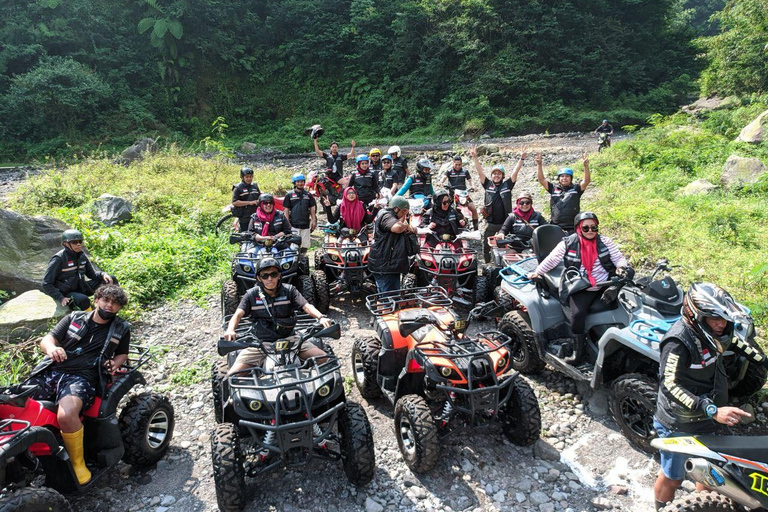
(298, 177)
(566, 170)
(386, 157)
(605, 121)
(361, 158)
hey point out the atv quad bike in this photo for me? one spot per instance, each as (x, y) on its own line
(286, 413)
(342, 265)
(624, 330)
(603, 141)
(293, 266)
(31, 445)
(504, 252)
(437, 377)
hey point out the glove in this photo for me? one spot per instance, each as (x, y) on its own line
(627, 273)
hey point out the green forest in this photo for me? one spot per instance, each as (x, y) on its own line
(84, 75)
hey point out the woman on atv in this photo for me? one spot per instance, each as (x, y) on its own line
(351, 213)
(523, 220)
(598, 258)
(443, 220)
(267, 224)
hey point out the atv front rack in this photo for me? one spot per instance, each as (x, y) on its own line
(386, 303)
(458, 251)
(9, 429)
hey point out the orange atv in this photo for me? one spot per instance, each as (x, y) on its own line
(436, 376)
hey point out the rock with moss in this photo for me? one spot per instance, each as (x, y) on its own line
(755, 131)
(29, 314)
(111, 210)
(697, 187)
(247, 148)
(739, 171)
(487, 149)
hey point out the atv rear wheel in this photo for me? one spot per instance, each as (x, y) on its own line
(322, 293)
(229, 298)
(520, 416)
(525, 355)
(365, 357)
(307, 288)
(357, 452)
(482, 293)
(753, 381)
(34, 499)
(228, 469)
(219, 371)
(147, 427)
(705, 501)
(416, 433)
(319, 264)
(633, 404)
(409, 281)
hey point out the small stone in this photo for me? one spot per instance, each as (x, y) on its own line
(575, 486)
(185, 445)
(520, 497)
(546, 451)
(372, 506)
(558, 496)
(524, 485)
(168, 501)
(162, 509)
(500, 496)
(538, 498)
(466, 466)
(618, 489)
(419, 492)
(746, 420)
(155, 501)
(601, 503)
(196, 405)
(547, 507)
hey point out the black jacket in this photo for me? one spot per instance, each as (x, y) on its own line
(279, 225)
(335, 216)
(66, 273)
(389, 253)
(514, 225)
(447, 222)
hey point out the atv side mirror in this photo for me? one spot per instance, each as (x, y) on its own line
(333, 331)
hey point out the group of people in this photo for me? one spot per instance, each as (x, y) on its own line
(93, 341)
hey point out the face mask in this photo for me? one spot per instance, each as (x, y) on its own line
(106, 315)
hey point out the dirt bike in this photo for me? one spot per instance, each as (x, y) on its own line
(437, 377)
(603, 141)
(733, 468)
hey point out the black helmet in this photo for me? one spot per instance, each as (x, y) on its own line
(71, 235)
(423, 164)
(709, 300)
(266, 198)
(245, 170)
(585, 216)
(266, 263)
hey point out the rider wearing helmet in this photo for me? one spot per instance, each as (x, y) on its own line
(457, 178)
(498, 197)
(334, 160)
(300, 209)
(443, 219)
(390, 178)
(267, 224)
(365, 181)
(71, 277)
(272, 306)
(245, 198)
(523, 219)
(389, 256)
(595, 257)
(693, 390)
(604, 127)
(399, 164)
(375, 156)
(565, 197)
(421, 181)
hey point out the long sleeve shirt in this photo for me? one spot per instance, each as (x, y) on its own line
(598, 271)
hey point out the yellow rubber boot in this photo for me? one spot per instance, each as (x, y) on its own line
(73, 442)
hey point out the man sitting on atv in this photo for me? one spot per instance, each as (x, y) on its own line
(421, 182)
(523, 219)
(443, 220)
(597, 259)
(272, 306)
(365, 181)
(565, 197)
(457, 178)
(351, 213)
(78, 349)
(693, 390)
(267, 224)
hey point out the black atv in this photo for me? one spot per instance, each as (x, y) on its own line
(31, 445)
(285, 413)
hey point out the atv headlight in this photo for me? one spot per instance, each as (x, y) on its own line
(334, 257)
(286, 265)
(247, 268)
(324, 391)
(502, 363)
(465, 263)
(254, 405)
(446, 372)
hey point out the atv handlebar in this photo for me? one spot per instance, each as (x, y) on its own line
(225, 346)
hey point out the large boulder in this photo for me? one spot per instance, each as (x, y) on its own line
(27, 244)
(755, 131)
(137, 151)
(697, 187)
(713, 103)
(739, 171)
(247, 147)
(111, 210)
(487, 149)
(28, 314)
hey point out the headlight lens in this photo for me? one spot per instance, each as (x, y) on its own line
(445, 371)
(502, 363)
(247, 268)
(286, 265)
(324, 391)
(254, 405)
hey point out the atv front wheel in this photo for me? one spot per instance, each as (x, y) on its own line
(409, 281)
(322, 293)
(365, 357)
(357, 452)
(525, 355)
(307, 288)
(34, 499)
(520, 416)
(319, 264)
(705, 501)
(219, 371)
(633, 404)
(229, 298)
(753, 381)
(228, 469)
(416, 433)
(147, 427)
(482, 292)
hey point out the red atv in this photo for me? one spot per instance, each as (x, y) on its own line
(320, 185)
(31, 445)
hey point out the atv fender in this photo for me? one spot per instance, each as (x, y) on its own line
(19, 445)
(409, 383)
(614, 339)
(544, 312)
(117, 391)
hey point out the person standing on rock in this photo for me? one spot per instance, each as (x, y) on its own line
(693, 390)
(565, 196)
(79, 351)
(300, 209)
(497, 204)
(393, 244)
(71, 277)
(335, 161)
(457, 178)
(245, 198)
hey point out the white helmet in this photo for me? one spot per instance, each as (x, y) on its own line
(394, 150)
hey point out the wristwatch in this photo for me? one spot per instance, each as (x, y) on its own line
(710, 409)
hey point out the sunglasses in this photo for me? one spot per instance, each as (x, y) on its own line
(387, 161)
(524, 203)
(76, 242)
(587, 229)
(269, 275)
(270, 203)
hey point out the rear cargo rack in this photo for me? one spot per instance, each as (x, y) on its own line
(386, 303)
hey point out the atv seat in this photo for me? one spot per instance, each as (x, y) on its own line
(47, 404)
(544, 239)
(746, 447)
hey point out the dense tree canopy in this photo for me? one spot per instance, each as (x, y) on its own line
(385, 66)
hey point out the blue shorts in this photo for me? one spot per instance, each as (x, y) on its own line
(672, 464)
(56, 385)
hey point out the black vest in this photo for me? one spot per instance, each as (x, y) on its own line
(565, 204)
(457, 179)
(278, 223)
(420, 183)
(300, 209)
(524, 230)
(393, 176)
(503, 191)
(364, 185)
(72, 276)
(247, 192)
(273, 317)
(573, 254)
